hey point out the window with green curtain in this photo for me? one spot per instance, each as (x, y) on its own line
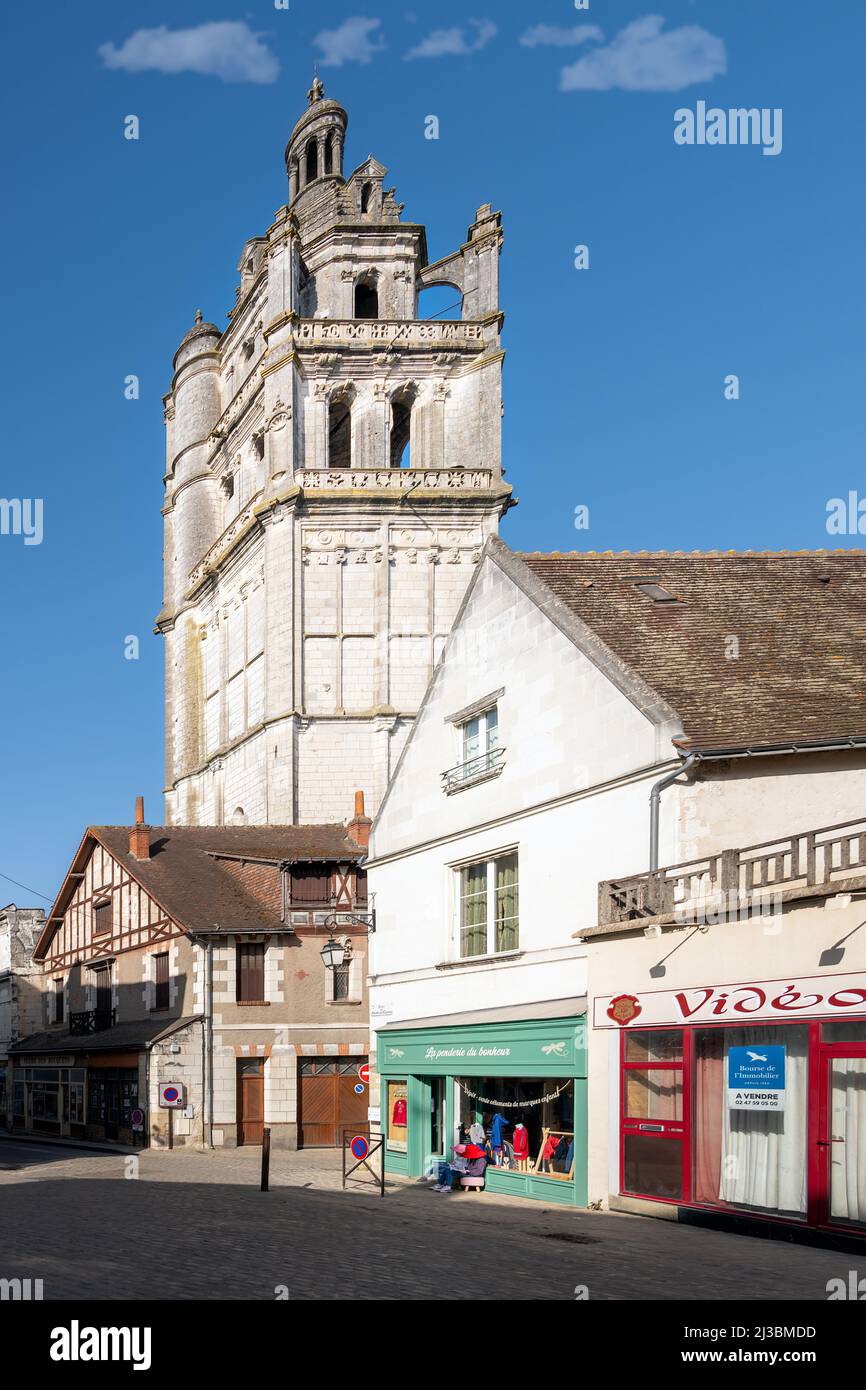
(473, 910)
(506, 917)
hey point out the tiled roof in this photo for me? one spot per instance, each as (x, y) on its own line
(760, 647)
(187, 873)
(138, 1033)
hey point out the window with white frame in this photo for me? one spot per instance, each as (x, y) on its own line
(488, 906)
(479, 751)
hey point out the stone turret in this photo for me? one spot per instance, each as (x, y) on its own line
(315, 148)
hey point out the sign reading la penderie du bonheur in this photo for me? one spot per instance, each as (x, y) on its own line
(756, 1077)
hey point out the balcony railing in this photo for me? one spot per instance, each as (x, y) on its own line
(475, 769)
(92, 1021)
(795, 865)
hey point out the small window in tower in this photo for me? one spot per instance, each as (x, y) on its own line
(340, 435)
(366, 300)
(312, 162)
(329, 155)
(366, 194)
(401, 423)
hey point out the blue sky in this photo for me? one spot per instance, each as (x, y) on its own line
(704, 262)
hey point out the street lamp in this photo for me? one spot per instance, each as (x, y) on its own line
(333, 953)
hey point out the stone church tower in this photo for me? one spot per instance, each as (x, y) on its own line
(333, 469)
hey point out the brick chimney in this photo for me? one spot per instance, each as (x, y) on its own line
(139, 834)
(359, 825)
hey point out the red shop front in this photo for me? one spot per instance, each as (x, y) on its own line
(745, 1098)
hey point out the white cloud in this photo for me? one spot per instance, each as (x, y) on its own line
(355, 41)
(226, 48)
(643, 59)
(454, 43)
(548, 35)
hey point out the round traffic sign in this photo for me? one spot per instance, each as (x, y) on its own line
(364, 1073)
(171, 1093)
(359, 1089)
(359, 1146)
(137, 1117)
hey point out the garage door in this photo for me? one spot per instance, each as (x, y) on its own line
(328, 1101)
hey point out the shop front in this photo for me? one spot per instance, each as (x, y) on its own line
(521, 1083)
(81, 1096)
(746, 1098)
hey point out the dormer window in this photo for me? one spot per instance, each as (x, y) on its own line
(366, 195)
(481, 756)
(656, 592)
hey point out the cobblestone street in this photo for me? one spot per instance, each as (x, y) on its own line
(196, 1226)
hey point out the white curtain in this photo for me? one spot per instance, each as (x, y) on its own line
(848, 1122)
(764, 1153)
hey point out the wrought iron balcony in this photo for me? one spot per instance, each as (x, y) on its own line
(476, 769)
(816, 863)
(92, 1021)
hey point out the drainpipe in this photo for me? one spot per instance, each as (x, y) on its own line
(210, 1043)
(206, 945)
(655, 797)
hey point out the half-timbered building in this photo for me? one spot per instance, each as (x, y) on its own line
(184, 996)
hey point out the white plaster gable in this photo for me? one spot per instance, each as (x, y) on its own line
(570, 717)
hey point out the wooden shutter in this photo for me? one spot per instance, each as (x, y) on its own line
(310, 884)
(250, 974)
(102, 916)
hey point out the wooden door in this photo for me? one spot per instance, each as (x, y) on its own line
(328, 1101)
(317, 1108)
(251, 1100)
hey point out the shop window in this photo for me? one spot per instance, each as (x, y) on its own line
(45, 1101)
(750, 1144)
(397, 1115)
(76, 1104)
(653, 1166)
(525, 1124)
(652, 1094)
(489, 921)
(18, 1100)
(250, 973)
(847, 1119)
(654, 1045)
(852, 1030)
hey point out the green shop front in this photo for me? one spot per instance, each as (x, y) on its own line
(437, 1082)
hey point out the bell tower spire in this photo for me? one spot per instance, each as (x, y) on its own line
(317, 91)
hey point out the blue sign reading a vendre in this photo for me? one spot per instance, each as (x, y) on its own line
(756, 1077)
